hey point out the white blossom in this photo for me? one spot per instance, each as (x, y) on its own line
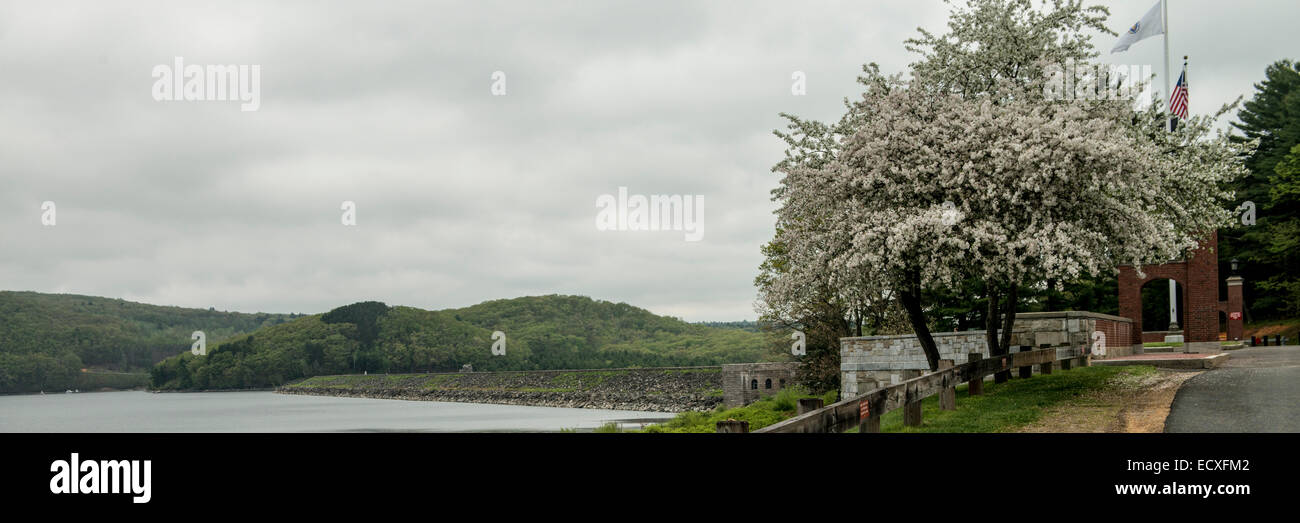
(1041, 189)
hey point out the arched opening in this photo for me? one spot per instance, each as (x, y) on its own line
(1155, 306)
(767, 384)
(753, 384)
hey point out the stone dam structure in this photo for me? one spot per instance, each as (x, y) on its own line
(662, 389)
(655, 389)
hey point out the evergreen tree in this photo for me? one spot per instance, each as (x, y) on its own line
(1273, 118)
(1283, 244)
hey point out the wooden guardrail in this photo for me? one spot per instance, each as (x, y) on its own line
(865, 410)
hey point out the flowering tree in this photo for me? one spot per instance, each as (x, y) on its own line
(965, 169)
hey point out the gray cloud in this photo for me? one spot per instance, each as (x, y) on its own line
(462, 196)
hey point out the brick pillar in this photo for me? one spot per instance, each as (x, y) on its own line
(1201, 293)
(1236, 308)
(1130, 302)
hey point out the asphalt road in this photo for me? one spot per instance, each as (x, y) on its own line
(1257, 390)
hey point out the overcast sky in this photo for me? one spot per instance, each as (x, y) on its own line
(461, 196)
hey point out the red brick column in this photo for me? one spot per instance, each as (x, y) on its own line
(1130, 301)
(1201, 293)
(1236, 308)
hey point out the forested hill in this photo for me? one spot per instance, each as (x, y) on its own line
(542, 332)
(46, 339)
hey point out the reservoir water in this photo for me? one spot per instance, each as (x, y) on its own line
(138, 411)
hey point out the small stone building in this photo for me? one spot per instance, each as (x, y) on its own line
(745, 383)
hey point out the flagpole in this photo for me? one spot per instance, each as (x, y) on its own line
(1169, 124)
(1164, 19)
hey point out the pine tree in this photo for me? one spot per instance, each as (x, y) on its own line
(1284, 231)
(1273, 118)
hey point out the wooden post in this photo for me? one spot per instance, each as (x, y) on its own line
(912, 414)
(868, 421)
(947, 398)
(731, 426)
(808, 405)
(1045, 368)
(1067, 364)
(912, 407)
(976, 384)
(1027, 370)
(1001, 376)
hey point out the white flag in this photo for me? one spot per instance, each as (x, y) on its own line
(1151, 24)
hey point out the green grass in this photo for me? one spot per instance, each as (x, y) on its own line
(1008, 406)
(759, 414)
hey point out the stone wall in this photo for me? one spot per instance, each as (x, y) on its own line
(745, 383)
(870, 362)
(659, 389)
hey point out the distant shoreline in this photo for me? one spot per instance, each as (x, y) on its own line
(132, 389)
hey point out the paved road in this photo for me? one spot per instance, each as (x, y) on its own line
(1257, 390)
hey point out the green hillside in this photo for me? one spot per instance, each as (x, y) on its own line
(542, 332)
(47, 339)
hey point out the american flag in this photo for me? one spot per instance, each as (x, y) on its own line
(1178, 101)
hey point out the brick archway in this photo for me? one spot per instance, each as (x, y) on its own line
(1198, 274)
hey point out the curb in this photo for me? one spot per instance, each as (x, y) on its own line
(1208, 362)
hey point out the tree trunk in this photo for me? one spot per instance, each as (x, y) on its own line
(991, 324)
(991, 337)
(911, 301)
(1009, 318)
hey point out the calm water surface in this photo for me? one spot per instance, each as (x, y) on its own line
(138, 411)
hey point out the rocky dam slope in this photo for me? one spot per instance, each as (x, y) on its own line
(675, 389)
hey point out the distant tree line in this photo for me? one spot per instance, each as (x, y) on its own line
(543, 332)
(47, 339)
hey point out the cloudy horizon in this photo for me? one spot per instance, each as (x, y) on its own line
(462, 196)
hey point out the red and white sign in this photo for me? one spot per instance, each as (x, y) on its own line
(1234, 316)
(864, 409)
